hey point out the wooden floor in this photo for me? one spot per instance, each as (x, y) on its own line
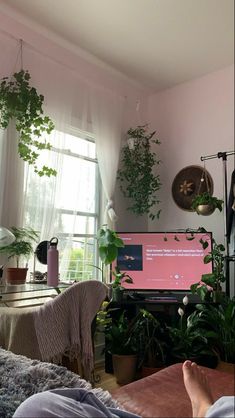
(106, 381)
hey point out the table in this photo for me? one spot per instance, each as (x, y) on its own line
(28, 294)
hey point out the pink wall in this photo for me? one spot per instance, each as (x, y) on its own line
(194, 119)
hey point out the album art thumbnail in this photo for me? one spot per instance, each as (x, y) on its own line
(130, 258)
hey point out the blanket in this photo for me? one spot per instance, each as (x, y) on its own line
(21, 377)
(61, 326)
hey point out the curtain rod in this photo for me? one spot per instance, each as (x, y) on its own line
(222, 155)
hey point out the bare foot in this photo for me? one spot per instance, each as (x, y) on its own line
(197, 388)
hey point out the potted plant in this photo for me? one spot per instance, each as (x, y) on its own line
(205, 204)
(117, 288)
(137, 178)
(19, 101)
(108, 244)
(120, 343)
(19, 249)
(217, 324)
(209, 287)
(150, 340)
(189, 342)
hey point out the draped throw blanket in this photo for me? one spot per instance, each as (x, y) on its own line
(60, 327)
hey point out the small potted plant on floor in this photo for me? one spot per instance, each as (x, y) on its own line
(150, 340)
(120, 342)
(19, 249)
(217, 324)
(188, 342)
(205, 204)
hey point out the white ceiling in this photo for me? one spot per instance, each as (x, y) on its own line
(158, 43)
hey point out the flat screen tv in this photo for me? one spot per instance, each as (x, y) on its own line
(163, 261)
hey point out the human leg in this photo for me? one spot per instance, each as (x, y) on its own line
(197, 387)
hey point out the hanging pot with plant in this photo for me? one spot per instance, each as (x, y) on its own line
(20, 102)
(136, 176)
(205, 204)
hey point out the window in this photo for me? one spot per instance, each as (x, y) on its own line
(67, 206)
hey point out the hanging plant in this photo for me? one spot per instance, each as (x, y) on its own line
(136, 175)
(22, 103)
(205, 204)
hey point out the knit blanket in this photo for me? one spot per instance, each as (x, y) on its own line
(21, 377)
(60, 327)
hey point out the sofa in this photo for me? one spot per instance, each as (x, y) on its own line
(159, 395)
(163, 394)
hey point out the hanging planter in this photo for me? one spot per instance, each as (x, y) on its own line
(205, 204)
(137, 179)
(20, 102)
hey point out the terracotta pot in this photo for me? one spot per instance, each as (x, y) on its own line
(16, 275)
(124, 367)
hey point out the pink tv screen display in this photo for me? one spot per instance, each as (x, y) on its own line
(163, 261)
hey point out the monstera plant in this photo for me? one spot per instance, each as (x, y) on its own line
(20, 102)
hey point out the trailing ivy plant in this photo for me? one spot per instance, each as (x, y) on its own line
(136, 175)
(22, 103)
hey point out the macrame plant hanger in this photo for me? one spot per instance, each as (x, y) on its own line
(223, 155)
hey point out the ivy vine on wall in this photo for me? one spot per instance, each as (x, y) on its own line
(20, 102)
(137, 177)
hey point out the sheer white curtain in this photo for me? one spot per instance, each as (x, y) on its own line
(69, 101)
(106, 114)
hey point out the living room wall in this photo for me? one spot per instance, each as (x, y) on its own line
(194, 119)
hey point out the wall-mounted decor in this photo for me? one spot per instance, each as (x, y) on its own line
(187, 184)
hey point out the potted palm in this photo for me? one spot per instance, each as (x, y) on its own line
(205, 204)
(18, 250)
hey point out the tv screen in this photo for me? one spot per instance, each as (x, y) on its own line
(161, 261)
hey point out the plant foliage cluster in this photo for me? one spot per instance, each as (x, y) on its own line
(21, 102)
(22, 246)
(138, 182)
(207, 199)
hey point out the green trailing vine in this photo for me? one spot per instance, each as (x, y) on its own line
(138, 182)
(21, 102)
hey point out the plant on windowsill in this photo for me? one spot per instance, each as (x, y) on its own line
(20, 102)
(205, 204)
(19, 249)
(138, 182)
